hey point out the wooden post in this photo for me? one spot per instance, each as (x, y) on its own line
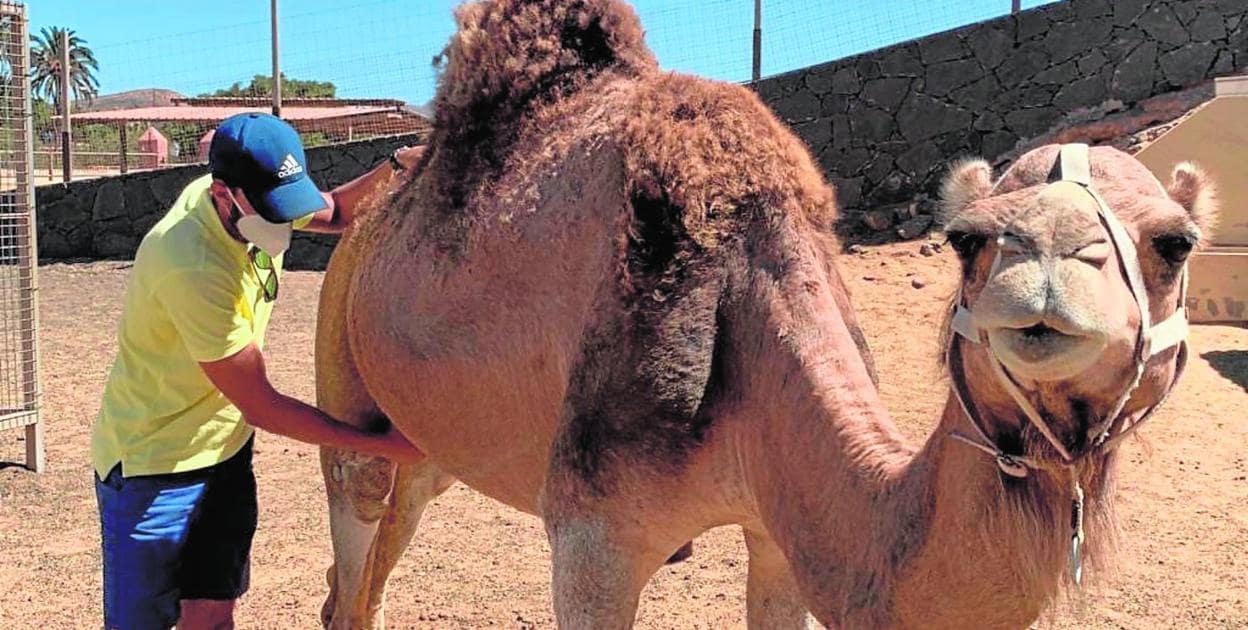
(758, 40)
(277, 66)
(121, 135)
(27, 249)
(66, 125)
(1016, 6)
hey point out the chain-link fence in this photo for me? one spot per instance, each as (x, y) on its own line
(364, 68)
(19, 356)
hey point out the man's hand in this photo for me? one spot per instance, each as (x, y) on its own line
(395, 447)
(243, 380)
(344, 201)
(408, 157)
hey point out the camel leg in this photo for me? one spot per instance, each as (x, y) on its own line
(359, 488)
(772, 597)
(599, 569)
(414, 487)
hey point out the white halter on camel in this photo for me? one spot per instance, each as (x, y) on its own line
(1073, 166)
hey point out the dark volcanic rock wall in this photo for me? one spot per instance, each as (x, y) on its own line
(886, 123)
(107, 217)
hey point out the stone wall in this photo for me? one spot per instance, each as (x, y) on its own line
(107, 217)
(885, 124)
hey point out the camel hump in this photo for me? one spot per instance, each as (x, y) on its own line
(510, 54)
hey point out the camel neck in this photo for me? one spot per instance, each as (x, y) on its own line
(880, 534)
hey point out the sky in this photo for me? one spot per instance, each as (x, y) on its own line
(385, 48)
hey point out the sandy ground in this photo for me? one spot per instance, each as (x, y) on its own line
(476, 563)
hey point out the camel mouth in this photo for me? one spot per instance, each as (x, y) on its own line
(1042, 352)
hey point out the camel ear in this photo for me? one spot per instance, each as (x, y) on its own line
(1193, 188)
(968, 180)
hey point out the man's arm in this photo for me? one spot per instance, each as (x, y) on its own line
(344, 199)
(243, 380)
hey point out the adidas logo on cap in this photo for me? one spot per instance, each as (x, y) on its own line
(290, 166)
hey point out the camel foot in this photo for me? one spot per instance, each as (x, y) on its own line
(682, 554)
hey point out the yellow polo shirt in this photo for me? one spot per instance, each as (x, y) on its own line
(193, 296)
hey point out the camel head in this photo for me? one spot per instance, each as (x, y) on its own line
(1074, 271)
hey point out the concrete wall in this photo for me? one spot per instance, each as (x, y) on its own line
(107, 217)
(885, 124)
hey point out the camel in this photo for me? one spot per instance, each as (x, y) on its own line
(609, 297)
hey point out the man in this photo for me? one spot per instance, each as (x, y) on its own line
(172, 444)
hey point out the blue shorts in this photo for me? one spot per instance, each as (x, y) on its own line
(172, 537)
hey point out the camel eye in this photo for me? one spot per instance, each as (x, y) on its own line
(1174, 248)
(967, 244)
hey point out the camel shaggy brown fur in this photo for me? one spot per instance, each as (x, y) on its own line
(609, 298)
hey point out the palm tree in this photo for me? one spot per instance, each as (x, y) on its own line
(45, 62)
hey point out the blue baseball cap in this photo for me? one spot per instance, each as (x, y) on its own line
(262, 155)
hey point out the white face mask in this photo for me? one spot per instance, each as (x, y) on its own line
(273, 238)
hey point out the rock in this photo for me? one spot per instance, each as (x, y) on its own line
(914, 228)
(974, 95)
(1031, 122)
(872, 125)
(886, 93)
(1127, 12)
(895, 187)
(1071, 39)
(110, 201)
(842, 135)
(139, 200)
(857, 250)
(927, 250)
(878, 172)
(1022, 64)
(853, 161)
(50, 193)
(818, 81)
(797, 107)
(1163, 25)
(1186, 11)
(923, 117)
(53, 245)
(116, 244)
(1060, 74)
(1085, 9)
(1133, 79)
(1031, 24)
(900, 62)
(1225, 63)
(878, 220)
(816, 133)
(848, 191)
(990, 45)
(1089, 63)
(846, 81)
(919, 160)
(997, 143)
(946, 76)
(988, 121)
(1207, 26)
(1036, 96)
(1085, 92)
(936, 49)
(833, 104)
(1188, 64)
(918, 283)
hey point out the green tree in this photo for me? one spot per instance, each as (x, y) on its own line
(45, 61)
(43, 114)
(262, 85)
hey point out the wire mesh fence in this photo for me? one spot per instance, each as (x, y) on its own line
(19, 382)
(360, 69)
